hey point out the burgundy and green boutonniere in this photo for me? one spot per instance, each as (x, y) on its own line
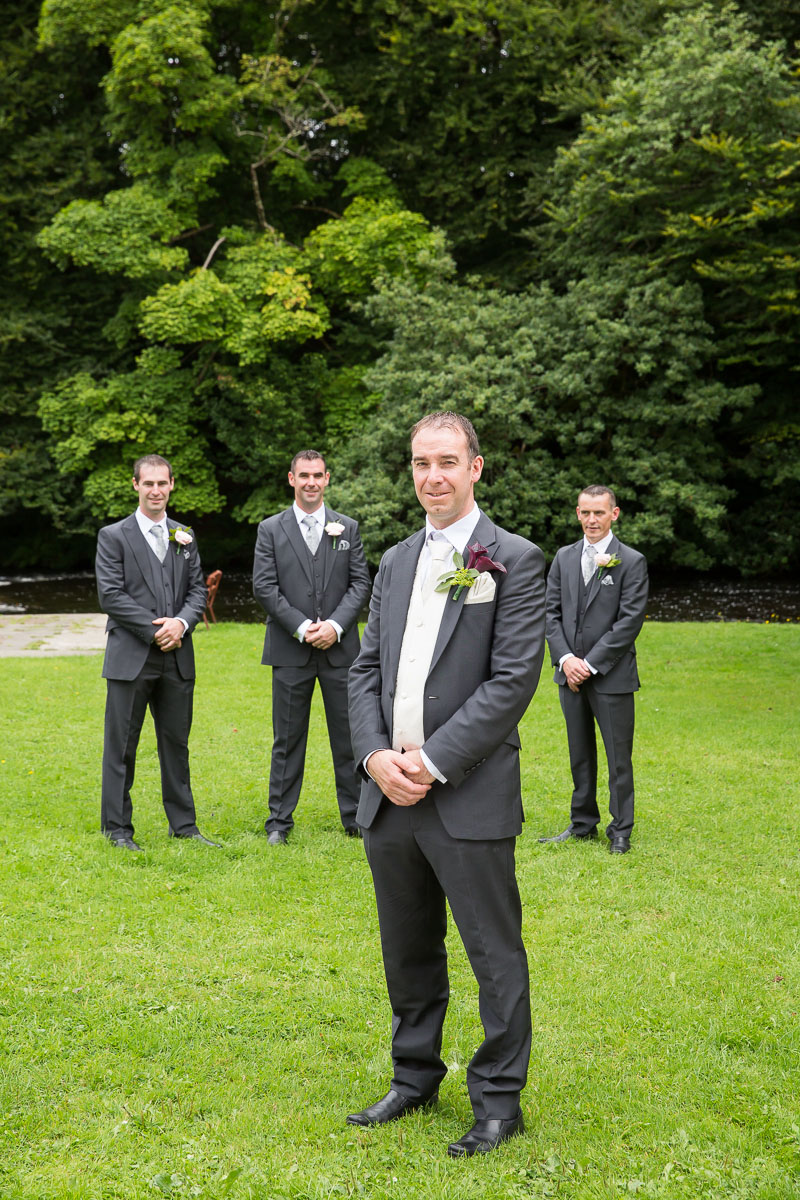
(464, 575)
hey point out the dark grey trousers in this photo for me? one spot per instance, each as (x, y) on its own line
(614, 714)
(169, 697)
(416, 865)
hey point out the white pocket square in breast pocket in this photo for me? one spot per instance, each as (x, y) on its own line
(343, 544)
(607, 581)
(482, 590)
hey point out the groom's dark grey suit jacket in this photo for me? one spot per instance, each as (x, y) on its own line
(131, 593)
(484, 671)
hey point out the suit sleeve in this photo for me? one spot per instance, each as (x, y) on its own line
(349, 608)
(554, 620)
(368, 730)
(492, 712)
(633, 592)
(114, 599)
(196, 592)
(266, 584)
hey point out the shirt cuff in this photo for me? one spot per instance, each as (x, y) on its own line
(300, 632)
(591, 668)
(433, 770)
(185, 624)
(563, 659)
(338, 628)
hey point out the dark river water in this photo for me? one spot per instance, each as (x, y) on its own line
(699, 599)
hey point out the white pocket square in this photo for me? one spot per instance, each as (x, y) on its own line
(482, 590)
(606, 581)
(343, 544)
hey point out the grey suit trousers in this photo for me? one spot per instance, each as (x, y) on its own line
(160, 686)
(614, 713)
(415, 863)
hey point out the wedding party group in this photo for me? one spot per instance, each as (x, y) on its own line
(422, 715)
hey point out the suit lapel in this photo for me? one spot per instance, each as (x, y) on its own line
(178, 563)
(573, 578)
(297, 541)
(326, 547)
(594, 586)
(400, 585)
(485, 533)
(141, 552)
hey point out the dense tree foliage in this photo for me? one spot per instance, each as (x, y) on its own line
(230, 231)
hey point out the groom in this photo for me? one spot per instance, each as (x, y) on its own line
(436, 693)
(150, 584)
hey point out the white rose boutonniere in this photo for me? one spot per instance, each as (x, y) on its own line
(605, 562)
(182, 537)
(334, 529)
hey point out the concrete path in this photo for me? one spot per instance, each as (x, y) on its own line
(39, 635)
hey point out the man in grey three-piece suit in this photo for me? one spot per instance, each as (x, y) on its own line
(150, 584)
(596, 602)
(311, 577)
(441, 682)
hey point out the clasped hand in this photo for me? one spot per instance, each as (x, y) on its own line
(170, 634)
(403, 778)
(576, 672)
(321, 634)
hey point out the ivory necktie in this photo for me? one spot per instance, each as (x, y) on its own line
(588, 561)
(440, 551)
(312, 533)
(159, 537)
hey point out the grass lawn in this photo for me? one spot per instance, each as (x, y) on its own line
(196, 1022)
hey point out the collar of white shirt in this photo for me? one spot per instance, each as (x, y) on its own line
(318, 514)
(145, 523)
(459, 533)
(600, 546)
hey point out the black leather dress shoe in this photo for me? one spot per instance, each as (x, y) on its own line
(486, 1135)
(277, 838)
(619, 845)
(571, 835)
(126, 843)
(194, 837)
(352, 831)
(389, 1108)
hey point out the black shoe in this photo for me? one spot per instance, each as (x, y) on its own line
(194, 837)
(277, 838)
(486, 1135)
(619, 845)
(352, 831)
(125, 843)
(571, 835)
(389, 1108)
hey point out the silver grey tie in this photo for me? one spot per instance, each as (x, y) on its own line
(159, 537)
(312, 533)
(588, 562)
(440, 550)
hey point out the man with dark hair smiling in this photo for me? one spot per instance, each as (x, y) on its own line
(150, 583)
(311, 577)
(596, 600)
(449, 662)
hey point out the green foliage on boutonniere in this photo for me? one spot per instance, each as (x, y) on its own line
(605, 562)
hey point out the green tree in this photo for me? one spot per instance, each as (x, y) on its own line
(608, 381)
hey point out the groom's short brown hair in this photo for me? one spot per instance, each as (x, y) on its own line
(450, 420)
(150, 460)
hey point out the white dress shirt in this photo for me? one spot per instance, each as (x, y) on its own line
(599, 548)
(319, 516)
(145, 523)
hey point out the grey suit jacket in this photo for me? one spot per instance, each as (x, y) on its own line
(126, 587)
(284, 586)
(484, 671)
(614, 614)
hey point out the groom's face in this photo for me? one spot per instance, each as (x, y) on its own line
(153, 486)
(444, 477)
